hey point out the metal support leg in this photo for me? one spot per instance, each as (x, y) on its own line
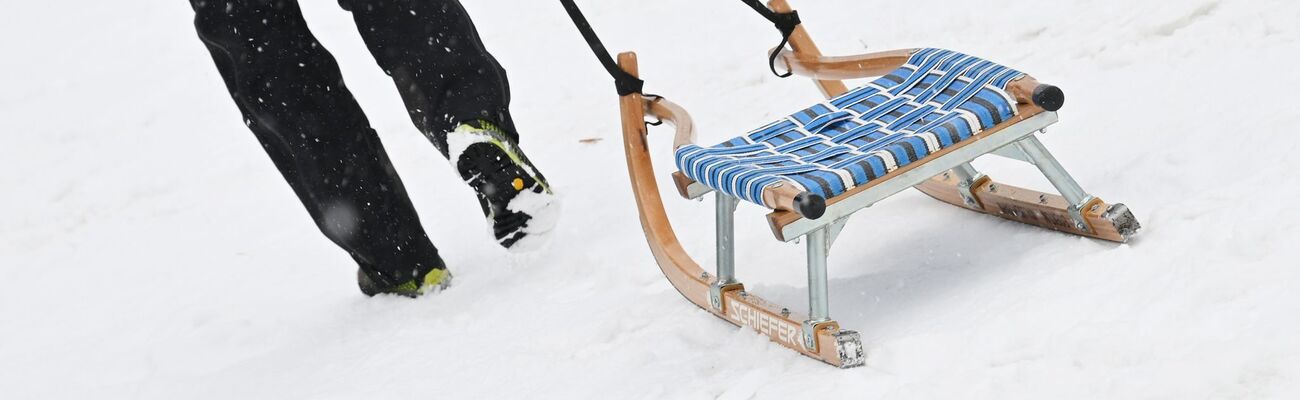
(724, 217)
(1055, 173)
(818, 298)
(966, 178)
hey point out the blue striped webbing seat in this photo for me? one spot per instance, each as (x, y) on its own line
(939, 98)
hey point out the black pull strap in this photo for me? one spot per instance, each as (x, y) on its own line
(785, 22)
(623, 81)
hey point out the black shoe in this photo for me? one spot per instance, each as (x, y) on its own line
(515, 197)
(435, 281)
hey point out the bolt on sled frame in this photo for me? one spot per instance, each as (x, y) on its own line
(944, 173)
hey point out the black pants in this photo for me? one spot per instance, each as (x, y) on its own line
(292, 97)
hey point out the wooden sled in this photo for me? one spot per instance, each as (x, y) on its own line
(944, 173)
(1073, 211)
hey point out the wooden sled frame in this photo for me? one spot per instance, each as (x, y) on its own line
(945, 175)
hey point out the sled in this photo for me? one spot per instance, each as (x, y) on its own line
(918, 125)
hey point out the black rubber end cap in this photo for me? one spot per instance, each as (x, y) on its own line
(810, 205)
(1049, 97)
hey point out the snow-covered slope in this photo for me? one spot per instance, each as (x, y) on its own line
(148, 248)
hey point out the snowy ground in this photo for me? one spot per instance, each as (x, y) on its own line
(148, 248)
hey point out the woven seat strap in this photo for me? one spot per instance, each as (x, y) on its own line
(624, 82)
(785, 22)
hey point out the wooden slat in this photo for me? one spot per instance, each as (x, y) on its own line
(1027, 206)
(847, 67)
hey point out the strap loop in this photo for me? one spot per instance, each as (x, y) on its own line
(624, 82)
(658, 121)
(785, 22)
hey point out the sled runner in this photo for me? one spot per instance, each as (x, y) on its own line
(920, 123)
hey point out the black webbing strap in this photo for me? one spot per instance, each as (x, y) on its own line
(623, 81)
(785, 22)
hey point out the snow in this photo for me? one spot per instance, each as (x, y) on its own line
(149, 249)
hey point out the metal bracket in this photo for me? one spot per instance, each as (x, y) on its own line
(1076, 214)
(697, 190)
(810, 333)
(966, 189)
(967, 179)
(835, 229)
(1014, 152)
(717, 290)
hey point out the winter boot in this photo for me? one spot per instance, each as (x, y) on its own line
(516, 199)
(435, 281)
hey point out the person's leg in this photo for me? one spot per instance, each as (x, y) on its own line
(292, 96)
(435, 56)
(458, 95)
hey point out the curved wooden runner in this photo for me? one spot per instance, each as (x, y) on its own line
(738, 306)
